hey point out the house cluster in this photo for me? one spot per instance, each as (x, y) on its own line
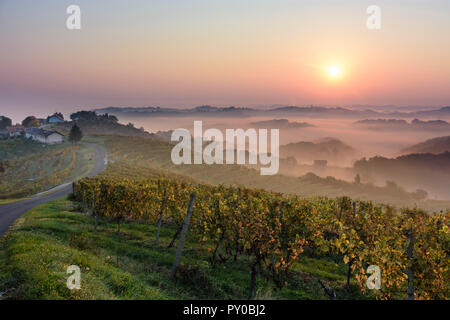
(12, 132)
(36, 134)
(43, 136)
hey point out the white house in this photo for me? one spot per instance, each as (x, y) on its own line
(44, 136)
(55, 119)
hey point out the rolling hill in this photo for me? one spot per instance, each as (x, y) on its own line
(333, 150)
(396, 124)
(434, 146)
(413, 171)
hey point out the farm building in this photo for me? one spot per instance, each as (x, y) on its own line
(44, 136)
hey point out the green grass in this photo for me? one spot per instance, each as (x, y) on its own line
(35, 254)
(8, 201)
(95, 139)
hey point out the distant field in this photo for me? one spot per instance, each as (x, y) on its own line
(139, 157)
(27, 167)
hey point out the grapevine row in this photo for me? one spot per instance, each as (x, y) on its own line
(271, 230)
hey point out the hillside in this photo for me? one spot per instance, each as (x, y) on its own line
(425, 171)
(434, 146)
(138, 158)
(102, 127)
(280, 124)
(27, 167)
(130, 265)
(276, 111)
(242, 242)
(396, 124)
(333, 150)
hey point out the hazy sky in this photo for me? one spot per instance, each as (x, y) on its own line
(183, 53)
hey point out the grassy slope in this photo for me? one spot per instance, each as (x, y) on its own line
(15, 148)
(35, 254)
(46, 165)
(100, 127)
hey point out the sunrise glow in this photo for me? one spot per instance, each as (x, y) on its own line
(175, 54)
(334, 71)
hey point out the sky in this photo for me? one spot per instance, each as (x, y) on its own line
(185, 53)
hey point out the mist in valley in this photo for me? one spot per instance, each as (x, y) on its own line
(339, 141)
(369, 143)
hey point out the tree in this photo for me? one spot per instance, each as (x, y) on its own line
(30, 122)
(75, 134)
(59, 114)
(5, 122)
(107, 117)
(112, 118)
(83, 115)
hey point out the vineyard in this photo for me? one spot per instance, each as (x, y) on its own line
(150, 155)
(270, 231)
(41, 169)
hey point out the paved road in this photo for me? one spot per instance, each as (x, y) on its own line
(10, 212)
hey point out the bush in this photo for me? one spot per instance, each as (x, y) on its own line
(81, 241)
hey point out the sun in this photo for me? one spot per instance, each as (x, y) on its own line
(334, 71)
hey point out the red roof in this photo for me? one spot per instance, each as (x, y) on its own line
(15, 128)
(57, 116)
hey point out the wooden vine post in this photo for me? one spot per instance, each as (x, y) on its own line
(84, 202)
(183, 235)
(222, 235)
(161, 211)
(236, 237)
(94, 212)
(280, 219)
(409, 271)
